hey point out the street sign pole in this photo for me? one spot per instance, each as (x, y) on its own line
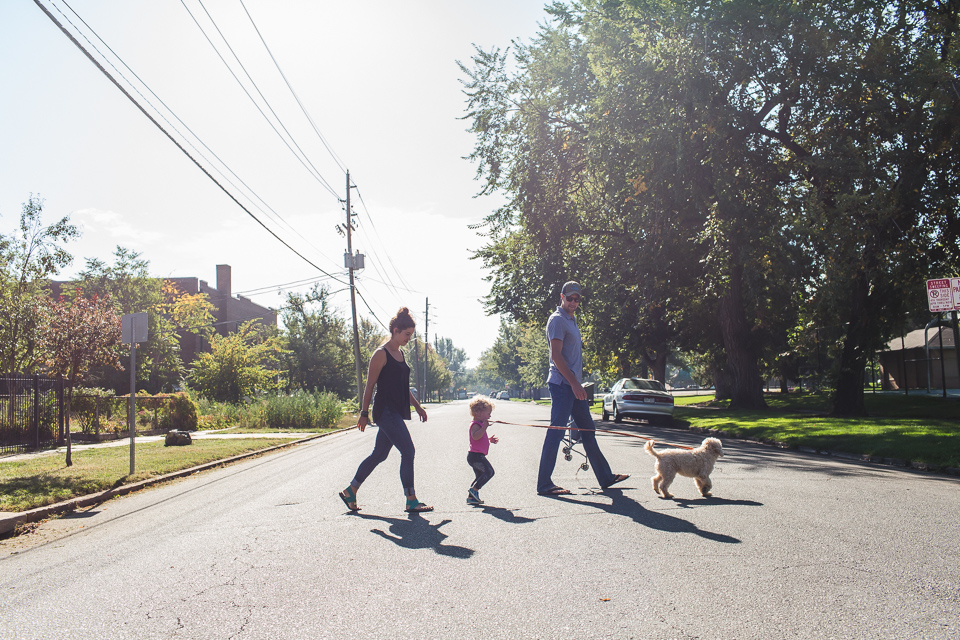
(955, 291)
(133, 406)
(133, 329)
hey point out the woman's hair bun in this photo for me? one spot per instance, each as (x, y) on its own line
(402, 320)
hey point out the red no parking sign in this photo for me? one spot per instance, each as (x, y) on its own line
(940, 295)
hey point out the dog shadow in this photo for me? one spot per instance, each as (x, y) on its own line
(416, 532)
(621, 505)
(687, 503)
(507, 515)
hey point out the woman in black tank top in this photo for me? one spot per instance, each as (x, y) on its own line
(391, 406)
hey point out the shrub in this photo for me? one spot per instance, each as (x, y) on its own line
(299, 410)
(213, 414)
(95, 408)
(181, 413)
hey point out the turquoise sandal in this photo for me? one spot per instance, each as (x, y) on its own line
(415, 506)
(349, 497)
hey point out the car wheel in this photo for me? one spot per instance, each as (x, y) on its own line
(604, 415)
(616, 414)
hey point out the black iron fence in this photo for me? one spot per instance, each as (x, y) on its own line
(31, 412)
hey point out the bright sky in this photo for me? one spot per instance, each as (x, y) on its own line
(378, 78)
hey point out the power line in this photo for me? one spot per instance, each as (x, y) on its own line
(276, 216)
(370, 219)
(301, 156)
(172, 139)
(296, 97)
(376, 263)
(282, 286)
(367, 305)
(374, 256)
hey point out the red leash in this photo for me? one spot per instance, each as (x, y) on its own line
(595, 430)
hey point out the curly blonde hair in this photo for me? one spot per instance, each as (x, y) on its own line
(480, 403)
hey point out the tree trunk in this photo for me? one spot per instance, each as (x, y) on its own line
(722, 383)
(658, 364)
(741, 356)
(848, 396)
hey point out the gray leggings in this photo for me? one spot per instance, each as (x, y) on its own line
(481, 468)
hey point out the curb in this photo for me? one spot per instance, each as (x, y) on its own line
(840, 455)
(11, 522)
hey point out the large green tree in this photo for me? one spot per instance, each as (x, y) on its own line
(455, 359)
(243, 364)
(319, 343)
(130, 287)
(720, 173)
(27, 261)
(500, 364)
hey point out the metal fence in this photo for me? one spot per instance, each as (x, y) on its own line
(31, 412)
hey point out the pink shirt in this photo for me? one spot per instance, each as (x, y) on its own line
(483, 444)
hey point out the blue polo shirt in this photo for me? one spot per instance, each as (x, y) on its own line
(563, 326)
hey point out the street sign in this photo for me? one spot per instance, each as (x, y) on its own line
(955, 288)
(939, 295)
(133, 328)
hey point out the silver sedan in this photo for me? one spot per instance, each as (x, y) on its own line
(639, 398)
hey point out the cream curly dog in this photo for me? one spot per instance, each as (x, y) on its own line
(696, 464)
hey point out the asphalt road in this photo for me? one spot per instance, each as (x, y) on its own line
(791, 546)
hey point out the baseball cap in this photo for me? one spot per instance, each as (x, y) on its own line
(570, 288)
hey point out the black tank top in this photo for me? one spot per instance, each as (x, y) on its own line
(393, 388)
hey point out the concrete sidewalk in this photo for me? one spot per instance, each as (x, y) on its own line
(125, 442)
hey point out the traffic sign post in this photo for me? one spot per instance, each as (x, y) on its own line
(133, 329)
(943, 295)
(955, 290)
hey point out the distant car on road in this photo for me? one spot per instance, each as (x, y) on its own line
(638, 398)
(503, 395)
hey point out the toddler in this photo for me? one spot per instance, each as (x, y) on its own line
(480, 408)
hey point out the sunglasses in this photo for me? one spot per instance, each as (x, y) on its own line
(572, 298)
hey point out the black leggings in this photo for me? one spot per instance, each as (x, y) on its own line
(391, 432)
(481, 467)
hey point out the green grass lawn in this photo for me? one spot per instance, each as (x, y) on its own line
(914, 428)
(45, 479)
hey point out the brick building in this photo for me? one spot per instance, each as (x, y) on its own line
(230, 310)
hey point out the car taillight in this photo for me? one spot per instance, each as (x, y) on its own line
(633, 397)
(664, 400)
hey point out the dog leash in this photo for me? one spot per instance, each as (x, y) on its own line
(595, 430)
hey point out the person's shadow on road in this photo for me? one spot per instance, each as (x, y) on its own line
(621, 505)
(416, 532)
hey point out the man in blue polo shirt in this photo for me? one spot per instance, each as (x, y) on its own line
(567, 396)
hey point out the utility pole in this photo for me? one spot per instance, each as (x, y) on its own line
(350, 261)
(426, 341)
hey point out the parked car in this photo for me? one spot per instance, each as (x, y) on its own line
(638, 398)
(503, 395)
